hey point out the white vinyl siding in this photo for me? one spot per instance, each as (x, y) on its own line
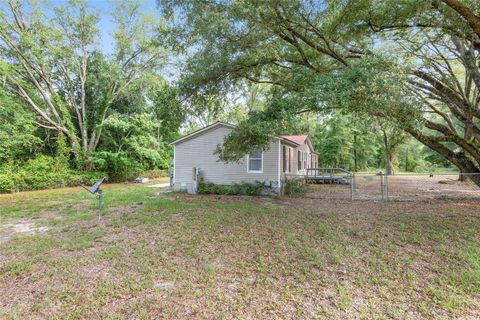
(198, 152)
(300, 159)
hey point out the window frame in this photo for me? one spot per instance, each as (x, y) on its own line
(248, 163)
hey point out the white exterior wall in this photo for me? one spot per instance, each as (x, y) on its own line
(304, 148)
(198, 151)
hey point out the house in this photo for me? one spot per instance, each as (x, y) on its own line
(194, 159)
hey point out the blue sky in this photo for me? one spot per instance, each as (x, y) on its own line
(104, 8)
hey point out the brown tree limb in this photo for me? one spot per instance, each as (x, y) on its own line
(464, 11)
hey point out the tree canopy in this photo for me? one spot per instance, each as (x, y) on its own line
(104, 107)
(54, 65)
(412, 63)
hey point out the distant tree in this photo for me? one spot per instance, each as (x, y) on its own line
(346, 142)
(54, 67)
(17, 130)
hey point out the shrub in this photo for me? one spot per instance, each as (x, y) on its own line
(41, 173)
(155, 173)
(244, 188)
(294, 187)
(88, 177)
(7, 178)
(118, 166)
(251, 189)
(212, 188)
(7, 184)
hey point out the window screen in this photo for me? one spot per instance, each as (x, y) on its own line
(255, 160)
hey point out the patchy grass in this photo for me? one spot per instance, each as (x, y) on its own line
(155, 255)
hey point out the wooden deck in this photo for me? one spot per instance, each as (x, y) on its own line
(328, 176)
(328, 179)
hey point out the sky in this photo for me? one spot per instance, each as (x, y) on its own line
(104, 9)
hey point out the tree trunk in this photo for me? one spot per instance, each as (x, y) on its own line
(390, 154)
(467, 13)
(406, 160)
(390, 163)
(460, 160)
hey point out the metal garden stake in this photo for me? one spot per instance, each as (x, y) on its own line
(95, 189)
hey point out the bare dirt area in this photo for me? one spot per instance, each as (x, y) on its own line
(402, 187)
(10, 230)
(177, 256)
(413, 187)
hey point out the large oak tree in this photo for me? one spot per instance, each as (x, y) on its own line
(428, 83)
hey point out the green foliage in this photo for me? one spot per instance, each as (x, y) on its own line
(155, 173)
(17, 132)
(168, 113)
(43, 172)
(411, 71)
(7, 184)
(118, 165)
(87, 177)
(134, 136)
(345, 141)
(356, 106)
(244, 188)
(100, 101)
(294, 187)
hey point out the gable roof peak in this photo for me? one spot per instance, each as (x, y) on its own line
(202, 130)
(298, 139)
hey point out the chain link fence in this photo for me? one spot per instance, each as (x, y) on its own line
(432, 186)
(400, 187)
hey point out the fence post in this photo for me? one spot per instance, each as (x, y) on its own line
(386, 187)
(382, 187)
(352, 186)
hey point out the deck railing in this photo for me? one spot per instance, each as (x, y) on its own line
(322, 172)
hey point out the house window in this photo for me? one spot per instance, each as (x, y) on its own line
(255, 161)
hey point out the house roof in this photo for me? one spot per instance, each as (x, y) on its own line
(292, 140)
(298, 139)
(202, 130)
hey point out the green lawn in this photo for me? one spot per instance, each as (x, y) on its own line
(156, 255)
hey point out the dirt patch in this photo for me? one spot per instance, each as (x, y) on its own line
(164, 285)
(9, 230)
